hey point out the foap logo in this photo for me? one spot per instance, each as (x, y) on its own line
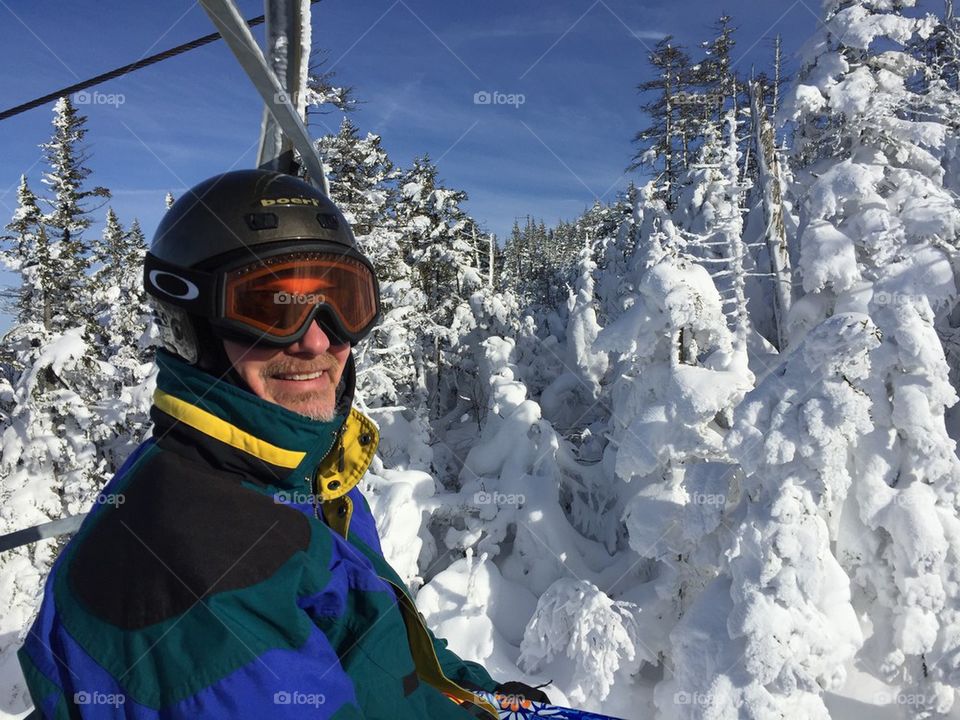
(295, 697)
(98, 98)
(288, 497)
(284, 97)
(498, 498)
(685, 98)
(688, 698)
(173, 285)
(287, 298)
(95, 697)
(699, 498)
(883, 297)
(495, 97)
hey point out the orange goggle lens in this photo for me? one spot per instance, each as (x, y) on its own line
(277, 295)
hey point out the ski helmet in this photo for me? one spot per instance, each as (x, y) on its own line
(256, 256)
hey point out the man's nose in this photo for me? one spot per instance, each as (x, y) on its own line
(314, 341)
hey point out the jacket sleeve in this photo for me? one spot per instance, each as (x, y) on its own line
(66, 681)
(75, 693)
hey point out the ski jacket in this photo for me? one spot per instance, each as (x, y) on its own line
(232, 569)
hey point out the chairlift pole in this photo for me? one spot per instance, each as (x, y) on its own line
(287, 50)
(227, 19)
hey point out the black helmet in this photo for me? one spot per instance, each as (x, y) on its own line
(230, 241)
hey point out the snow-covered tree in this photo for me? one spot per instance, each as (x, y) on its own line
(665, 143)
(27, 252)
(437, 247)
(878, 231)
(125, 337)
(776, 627)
(69, 214)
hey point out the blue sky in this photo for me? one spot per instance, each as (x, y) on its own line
(415, 64)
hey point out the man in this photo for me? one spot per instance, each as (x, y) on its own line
(241, 576)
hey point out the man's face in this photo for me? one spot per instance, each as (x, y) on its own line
(301, 377)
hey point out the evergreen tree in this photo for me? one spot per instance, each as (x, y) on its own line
(877, 233)
(125, 338)
(432, 226)
(359, 171)
(665, 143)
(27, 252)
(714, 77)
(69, 215)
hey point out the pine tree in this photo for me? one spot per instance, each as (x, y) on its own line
(124, 338)
(432, 224)
(27, 252)
(69, 214)
(878, 231)
(714, 77)
(664, 144)
(359, 171)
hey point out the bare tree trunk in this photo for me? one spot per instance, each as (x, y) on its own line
(492, 248)
(734, 232)
(769, 178)
(473, 245)
(777, 74)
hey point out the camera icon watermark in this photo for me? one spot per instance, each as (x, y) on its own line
(293, 497)
(687, 698)
(288, 298)
(95, 697)
(498, 498)
(295, 697)
(83, 97)
(495, 97)
(686, 98)
(286, 97)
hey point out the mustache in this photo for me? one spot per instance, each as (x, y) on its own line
(287, 367)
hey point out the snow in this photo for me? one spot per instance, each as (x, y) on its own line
(624, 489)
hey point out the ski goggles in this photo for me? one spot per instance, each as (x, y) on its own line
(275, 298)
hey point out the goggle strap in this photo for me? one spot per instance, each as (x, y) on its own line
(193, 290)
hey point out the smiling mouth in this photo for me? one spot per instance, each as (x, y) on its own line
(299, 376)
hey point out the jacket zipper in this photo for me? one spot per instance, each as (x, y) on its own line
(480, 702)
(315, 480)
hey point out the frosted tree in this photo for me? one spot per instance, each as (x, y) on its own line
(575, 620)
(877, 234)
(770, 183)
(359, 171)
(437, 247)
(506, 532)
(665, 143)
(678, 372)
(27, 251)
(125, 337)
(615, 245)
(712, 214)
(571, 400)
(714, 76)
(776, 626)
(50, 465)
(69, 214)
